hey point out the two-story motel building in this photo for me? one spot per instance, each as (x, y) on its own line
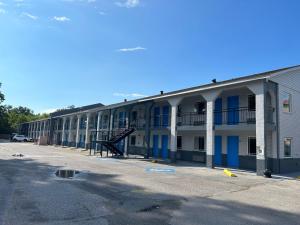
(251, 123)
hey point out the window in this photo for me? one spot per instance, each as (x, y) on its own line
(286, 102)
(179, 142)
(200, 107)
(251, 103)
(287, 147)
(134, 115)
(252, 145)
(133, 140)
(199, 143)
(179, 110)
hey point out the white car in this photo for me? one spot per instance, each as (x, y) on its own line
(20, 137)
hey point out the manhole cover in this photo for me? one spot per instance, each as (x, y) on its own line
(66, 173)
(18, 155)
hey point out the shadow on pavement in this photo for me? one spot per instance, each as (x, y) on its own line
(30, 190)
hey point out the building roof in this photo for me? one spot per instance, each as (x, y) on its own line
(75, 110)
(242, 79)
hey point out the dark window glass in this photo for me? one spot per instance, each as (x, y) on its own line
(251, 102)
(132, 140)
(200, 107)
(134, 115)
(179, 142)
(287, 147)
(199, 143)
(252, 145)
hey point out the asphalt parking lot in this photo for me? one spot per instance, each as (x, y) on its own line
(134, 191)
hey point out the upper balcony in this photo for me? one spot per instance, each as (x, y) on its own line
(139, 123)
(229, 117)
(191, 120)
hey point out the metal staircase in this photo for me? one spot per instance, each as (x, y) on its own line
(111, 144)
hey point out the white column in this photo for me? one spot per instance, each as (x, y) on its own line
(210, 133)
(111, 123)
(126, 138)
(173, 128)
(259, 90)
(44, 126)
(40, 129)
(210, 129)
(70, 130)
(98, 127)
(63, 131)
(78, 129)
(87, 131)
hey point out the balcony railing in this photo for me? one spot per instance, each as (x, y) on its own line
(235, 116)
(191, 119)
(138, 123)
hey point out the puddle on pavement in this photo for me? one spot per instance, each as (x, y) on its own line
(18, 155)
(149, 209)
(69, 174)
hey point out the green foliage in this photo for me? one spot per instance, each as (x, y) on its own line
(1, 96)
(11, 117)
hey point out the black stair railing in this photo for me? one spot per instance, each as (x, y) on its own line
(115, 138)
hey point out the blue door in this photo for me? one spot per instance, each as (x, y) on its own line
(165, 121)
(233, 110)
(218, 150)
(218, 111)
(156, 116)
(233, 151)
(155, 146)
(164, 146)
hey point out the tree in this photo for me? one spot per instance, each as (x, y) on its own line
(11, 117)
(2, 98)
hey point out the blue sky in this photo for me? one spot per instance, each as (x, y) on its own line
(55, 53)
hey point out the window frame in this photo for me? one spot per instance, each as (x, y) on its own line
(291, 141)
(290, 103)
(248, 144)
(198, 144)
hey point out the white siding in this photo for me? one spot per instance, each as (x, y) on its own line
(289, 123)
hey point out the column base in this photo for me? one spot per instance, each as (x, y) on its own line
(209, 161)
(260, 166)
(173, 156)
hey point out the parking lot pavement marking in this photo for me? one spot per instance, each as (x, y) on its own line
(159, 170)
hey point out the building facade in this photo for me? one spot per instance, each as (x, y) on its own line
(250, 123)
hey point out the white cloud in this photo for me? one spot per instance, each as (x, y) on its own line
(26, 14)
(2, 11)
(128, 3)
(138, 48)
(61, 18)
(102, 13)
(132, 95)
